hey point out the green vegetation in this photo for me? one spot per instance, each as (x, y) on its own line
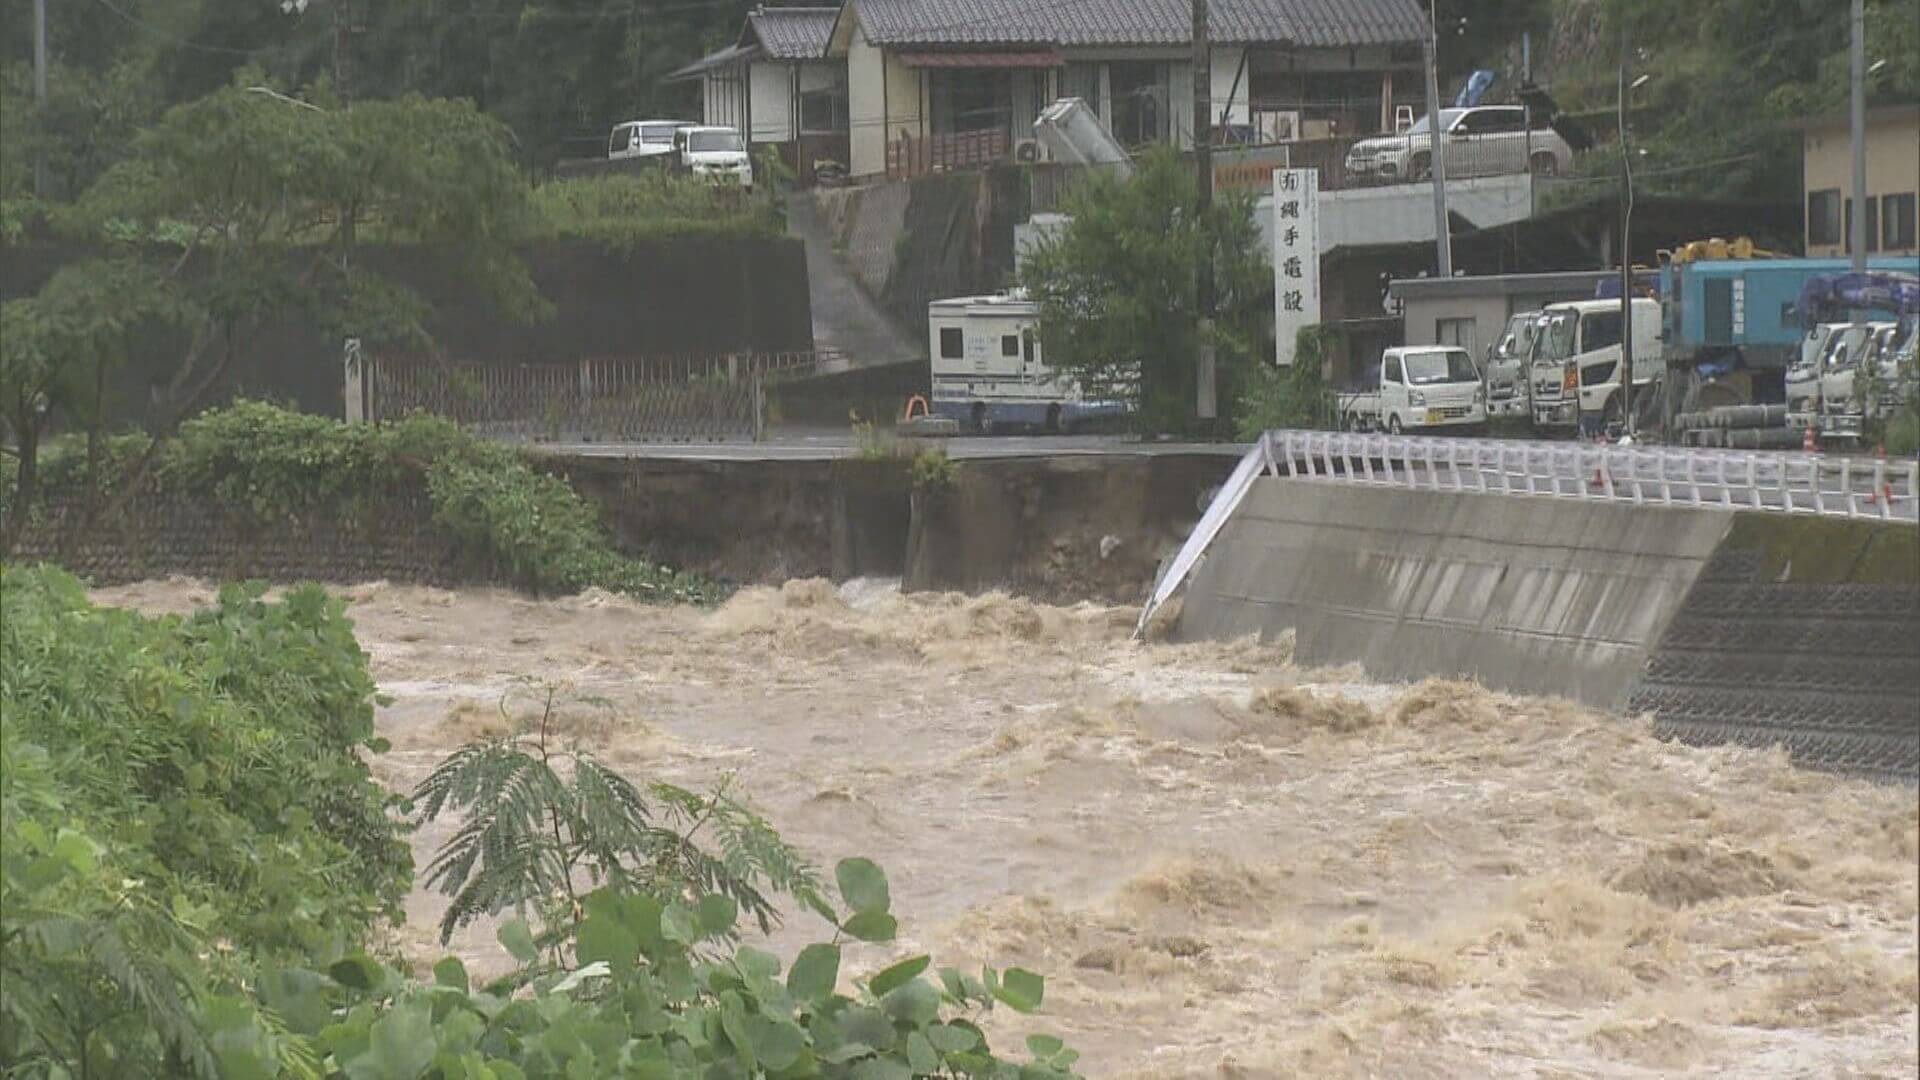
(1729, 80)
(272, 466)
(193, 859)
(184, 804)
(625, 209)
(1118, 293)
(1290, 397)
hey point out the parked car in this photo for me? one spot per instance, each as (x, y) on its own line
(1421, 386)
(1489, 140)
(715, 153)
(650, 139)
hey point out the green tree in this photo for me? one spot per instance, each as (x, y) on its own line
(247, 204)
(56, 349)
(1118, 293)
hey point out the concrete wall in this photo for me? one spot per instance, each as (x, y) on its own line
(1803, 632)
(1527, 595)
(688, 296)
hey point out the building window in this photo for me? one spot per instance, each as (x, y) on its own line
(1823, 216)
(1896, 222)
(1009, 344)
(1455, 332)
(971, 100)
(1139, 101)
(951, 345)
(824, 111)
(1873, 225)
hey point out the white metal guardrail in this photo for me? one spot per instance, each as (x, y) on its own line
(1788, 483)
(1848, 487)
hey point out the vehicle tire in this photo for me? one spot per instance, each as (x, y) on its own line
(1393, 424)
(1053, 420)
(979, 422)
(1544, 163)
(1419, 167)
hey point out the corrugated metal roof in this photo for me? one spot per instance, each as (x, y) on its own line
(795, 33)
(1311, 23)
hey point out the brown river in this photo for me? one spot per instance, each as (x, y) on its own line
(1224, 865)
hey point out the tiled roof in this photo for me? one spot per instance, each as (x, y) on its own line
(1321, 23)
(793, 33)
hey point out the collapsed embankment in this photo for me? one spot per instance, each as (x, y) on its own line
(1743, 627)
(1090, 527)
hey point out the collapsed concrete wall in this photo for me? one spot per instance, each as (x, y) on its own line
(1532, 596)
(1060, 529)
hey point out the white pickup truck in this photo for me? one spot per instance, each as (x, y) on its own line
(1421, 387)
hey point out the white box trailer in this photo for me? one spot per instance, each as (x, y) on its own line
(989, 372)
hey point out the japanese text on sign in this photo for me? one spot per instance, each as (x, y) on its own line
(1296, 257)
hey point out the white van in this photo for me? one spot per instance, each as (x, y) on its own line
(714, 153)
(1576, 361)
(989, 372)
(651, 139)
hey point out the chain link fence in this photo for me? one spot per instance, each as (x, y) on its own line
(632, 399)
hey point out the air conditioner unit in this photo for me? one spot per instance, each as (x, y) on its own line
(1027, 150)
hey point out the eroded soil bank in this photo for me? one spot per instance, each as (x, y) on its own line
(1224, 865)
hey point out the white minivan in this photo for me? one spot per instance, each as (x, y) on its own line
(652, 139)
(714, 153)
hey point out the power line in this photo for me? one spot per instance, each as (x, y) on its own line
(186, 43)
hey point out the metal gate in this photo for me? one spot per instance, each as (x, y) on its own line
(628, 399)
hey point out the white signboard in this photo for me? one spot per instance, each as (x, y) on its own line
(1296, 257)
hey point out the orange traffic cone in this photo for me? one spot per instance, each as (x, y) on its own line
(1598, 481)
(1807, 444)
(1885, 494)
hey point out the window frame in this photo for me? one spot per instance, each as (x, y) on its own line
(958, 339)
(1893, 237)
(1830, 199)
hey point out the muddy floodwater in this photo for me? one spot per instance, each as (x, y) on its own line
(1224, 866)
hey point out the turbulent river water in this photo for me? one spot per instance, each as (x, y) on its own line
(1224, 865)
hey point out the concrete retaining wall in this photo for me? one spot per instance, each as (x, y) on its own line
(1527, 595)
(1749, 628)
(1803, 632)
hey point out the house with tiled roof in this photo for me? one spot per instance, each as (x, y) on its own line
(944, 83)
(776, 83)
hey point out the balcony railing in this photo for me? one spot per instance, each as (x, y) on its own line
(911, 155)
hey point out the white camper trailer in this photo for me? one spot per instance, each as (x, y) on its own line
(988, 371)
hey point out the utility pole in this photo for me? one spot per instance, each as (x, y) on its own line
(1857, 229)
(1437, 158)
(1206, 405)
(342, 61)
(1626, 241)
(1526, 79)
(40, 94)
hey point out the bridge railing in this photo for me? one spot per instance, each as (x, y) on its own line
(1798, 483)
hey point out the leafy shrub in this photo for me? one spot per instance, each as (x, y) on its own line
(273, 465)
(539, 817)
(1296, 396)
(932, 470)
(184, 800)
